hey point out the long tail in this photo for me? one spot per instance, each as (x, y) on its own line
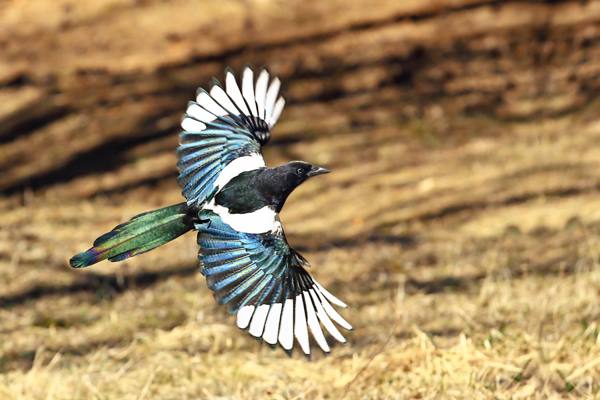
(142, 233)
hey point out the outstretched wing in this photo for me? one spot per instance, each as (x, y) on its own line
(223, 125)
(263, 282)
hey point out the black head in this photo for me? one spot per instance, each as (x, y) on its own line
(299, 171)
(277, 183)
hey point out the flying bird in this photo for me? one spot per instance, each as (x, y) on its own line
(233, 201)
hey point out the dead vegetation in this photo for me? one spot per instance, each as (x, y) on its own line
(461, 223)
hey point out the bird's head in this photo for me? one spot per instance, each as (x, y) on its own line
(279, 182)
(296, 172)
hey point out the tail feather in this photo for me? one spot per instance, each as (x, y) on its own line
(142, 233)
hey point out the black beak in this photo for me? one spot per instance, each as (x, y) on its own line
(316, 170)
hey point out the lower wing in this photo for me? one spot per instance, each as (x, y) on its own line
(263, 281)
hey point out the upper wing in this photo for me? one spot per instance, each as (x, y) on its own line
(264, 283)
(223, 125)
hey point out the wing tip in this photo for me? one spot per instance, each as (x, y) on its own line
(229, 70)
(248, 65)
(215, 82)
(200, 90)
(285, 338)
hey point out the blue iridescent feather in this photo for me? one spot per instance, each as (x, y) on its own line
(245, 268)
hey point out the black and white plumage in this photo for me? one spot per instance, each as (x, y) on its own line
(245, 255)
(233, 200)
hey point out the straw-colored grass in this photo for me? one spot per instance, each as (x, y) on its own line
(471, 268)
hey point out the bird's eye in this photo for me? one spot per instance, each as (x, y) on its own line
(299, 171)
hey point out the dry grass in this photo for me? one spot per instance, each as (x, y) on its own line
(471, 266)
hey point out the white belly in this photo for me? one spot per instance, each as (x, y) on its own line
(260, 221)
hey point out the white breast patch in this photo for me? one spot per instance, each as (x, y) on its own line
(260, 221)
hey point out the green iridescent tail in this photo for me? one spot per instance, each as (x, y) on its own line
(142, 233)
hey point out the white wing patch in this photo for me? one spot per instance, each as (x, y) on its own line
(234, 92)
(286, 331)
(248, 90)
(300, 330)
(261, 93)
(217, 93)
(243, 316)
(191, 125)
(277, 111)
(309, 310)
(272, 324)
(206, 102)
(258, 320)
(260, 100)
(270, 100)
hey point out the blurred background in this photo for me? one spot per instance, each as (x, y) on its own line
(461, 223)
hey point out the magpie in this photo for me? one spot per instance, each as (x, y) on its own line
(233, 201)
